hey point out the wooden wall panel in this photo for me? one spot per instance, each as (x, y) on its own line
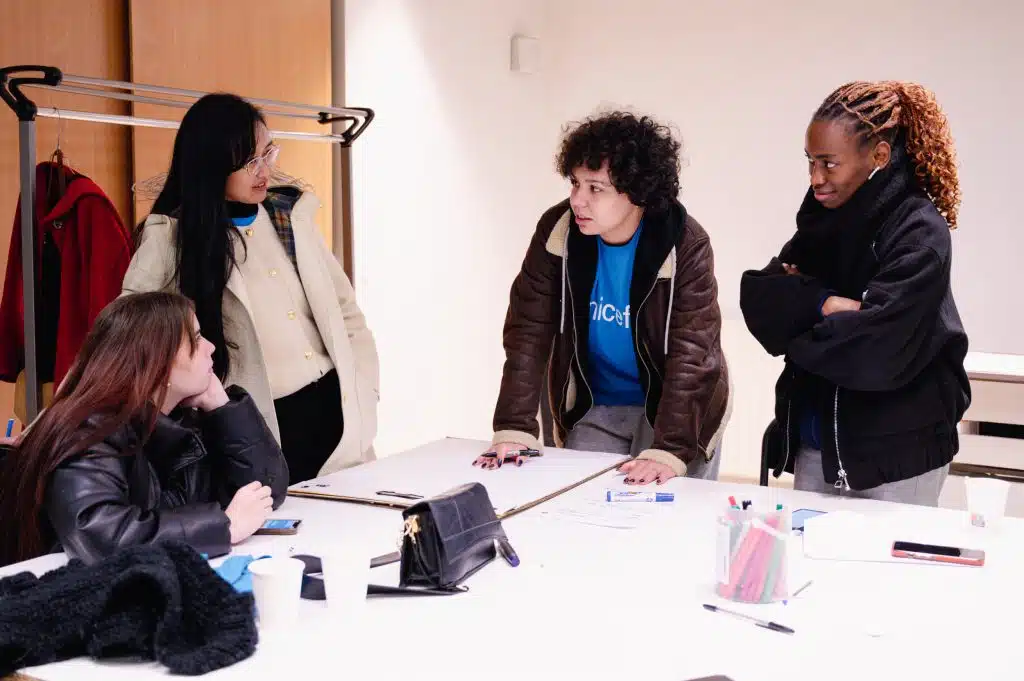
(83, 37)
(273, 49)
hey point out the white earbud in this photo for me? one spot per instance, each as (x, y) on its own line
(873, 172)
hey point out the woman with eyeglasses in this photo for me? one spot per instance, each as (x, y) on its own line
(269, 295)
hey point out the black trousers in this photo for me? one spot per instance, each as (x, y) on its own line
(311, 425)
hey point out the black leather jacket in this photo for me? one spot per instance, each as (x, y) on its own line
(174, 487)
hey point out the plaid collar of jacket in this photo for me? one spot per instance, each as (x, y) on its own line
(279, 204)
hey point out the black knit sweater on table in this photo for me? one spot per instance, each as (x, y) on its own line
(158, 602)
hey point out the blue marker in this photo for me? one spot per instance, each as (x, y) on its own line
(630, 495)
(10, 427)
(507, 552)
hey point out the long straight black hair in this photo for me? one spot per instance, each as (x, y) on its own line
(217, 136)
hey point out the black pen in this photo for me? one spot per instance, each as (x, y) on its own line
(774, 626)
(530, 453)
(400, 495)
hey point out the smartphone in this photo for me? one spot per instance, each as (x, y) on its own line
(801, 515)
(937, 553)
(279, 526)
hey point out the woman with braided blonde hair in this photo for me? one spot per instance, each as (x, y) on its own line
(859, 302)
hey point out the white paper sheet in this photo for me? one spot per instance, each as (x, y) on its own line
(594, 510)
(441, 465)
(847, 535)
(851, 536)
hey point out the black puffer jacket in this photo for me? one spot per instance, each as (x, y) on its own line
(174, 487)
(887, 382)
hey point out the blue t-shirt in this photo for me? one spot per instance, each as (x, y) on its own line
(810, 422)
(614, 378)
(810, 429)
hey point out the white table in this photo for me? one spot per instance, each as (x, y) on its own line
(990, 366)
(997, 388)
(591, 602)
(997, 396)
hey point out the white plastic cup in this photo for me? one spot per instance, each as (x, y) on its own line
(277, 587)
(346, 573)
(986, 500)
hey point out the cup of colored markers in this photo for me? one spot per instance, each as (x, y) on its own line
(752, 554)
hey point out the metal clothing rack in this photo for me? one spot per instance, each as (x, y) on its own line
(13, 78)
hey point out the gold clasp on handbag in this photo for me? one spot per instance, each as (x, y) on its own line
(412, 528)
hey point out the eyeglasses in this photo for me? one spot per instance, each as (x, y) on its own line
(268, 157)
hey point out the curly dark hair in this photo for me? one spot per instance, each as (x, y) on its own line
(642, 155)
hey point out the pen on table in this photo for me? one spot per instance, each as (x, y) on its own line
(774, 626)
(399, 495)
(797, 592)
(515, 457)
(522, 452)
(507, 552)
(10, 427)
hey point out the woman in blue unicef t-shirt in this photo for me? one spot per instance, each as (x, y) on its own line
(615, 313)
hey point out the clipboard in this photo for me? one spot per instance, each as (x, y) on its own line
(396, 504)
(446, 463)
(537, 502)
(402, 505)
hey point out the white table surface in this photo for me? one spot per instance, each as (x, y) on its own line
(989, 366)
(592, 602)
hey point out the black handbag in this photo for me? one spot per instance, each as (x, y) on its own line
(448, 538)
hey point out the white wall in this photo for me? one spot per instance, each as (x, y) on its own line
(741, 93)
(453, 174)
(448, 183)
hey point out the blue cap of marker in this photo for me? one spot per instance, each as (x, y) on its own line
(630, 495)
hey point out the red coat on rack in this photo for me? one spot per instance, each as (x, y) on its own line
(93, 249)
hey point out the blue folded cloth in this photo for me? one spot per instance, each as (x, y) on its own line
(235, 571)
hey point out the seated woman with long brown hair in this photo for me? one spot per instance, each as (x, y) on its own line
(141, 444)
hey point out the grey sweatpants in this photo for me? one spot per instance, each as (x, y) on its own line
(922, 490)
(624, 430)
